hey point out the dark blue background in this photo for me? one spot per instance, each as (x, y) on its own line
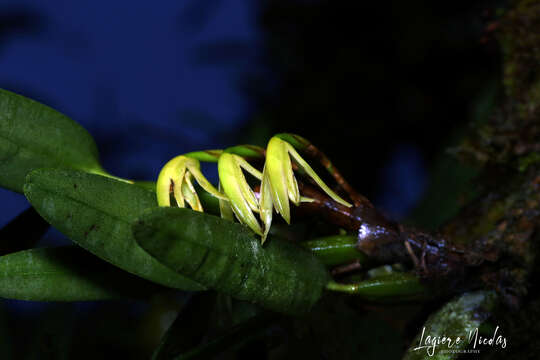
(133, 74)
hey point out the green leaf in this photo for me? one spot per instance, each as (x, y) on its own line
(148, 185)
(229, 258)
(96, 212)
(249, 152)
(391, 288)
(338, 329)
(233, 337)
(33, 136)
(189, 328)
(336, 250)
(66, 273)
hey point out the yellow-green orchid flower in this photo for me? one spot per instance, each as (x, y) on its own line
(279, 183)
(177, 175)
(242, 199)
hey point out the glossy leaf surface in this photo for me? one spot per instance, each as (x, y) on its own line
(96, 212)
(229, 258)
(66, 273)
(33, 136)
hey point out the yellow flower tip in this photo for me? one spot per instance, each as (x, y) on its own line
(281, 181)
(225, 209)
(176, 177)
(279, 170)
(266, 203)
(168, 177)
(264, 236)
(312, 174)
(233, 182)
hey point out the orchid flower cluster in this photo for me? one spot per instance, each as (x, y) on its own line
(278, 185)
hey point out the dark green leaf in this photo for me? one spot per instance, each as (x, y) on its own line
(336, 329)
(54, 322)
(23, 232)
(226, 256)
(96, 212)
(148, 185)
(188, 329)
(394, 287)
(66, 273)
(336, 250)
(33, 136)
(229, 312)
(234, 337)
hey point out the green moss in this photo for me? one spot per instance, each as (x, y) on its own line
(528, 160)
(457, 318)
(519, 39)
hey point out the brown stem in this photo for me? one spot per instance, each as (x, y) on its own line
(358, 199)
(389, 242)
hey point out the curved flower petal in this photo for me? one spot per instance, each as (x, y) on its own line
(190, 195)
(247, 192)
(176, 176)
(194, 168)
(234, 185)
(276, 159)
(309, 171)
(170, 175)
(266, 203)
(280, 182)
(225, 208)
